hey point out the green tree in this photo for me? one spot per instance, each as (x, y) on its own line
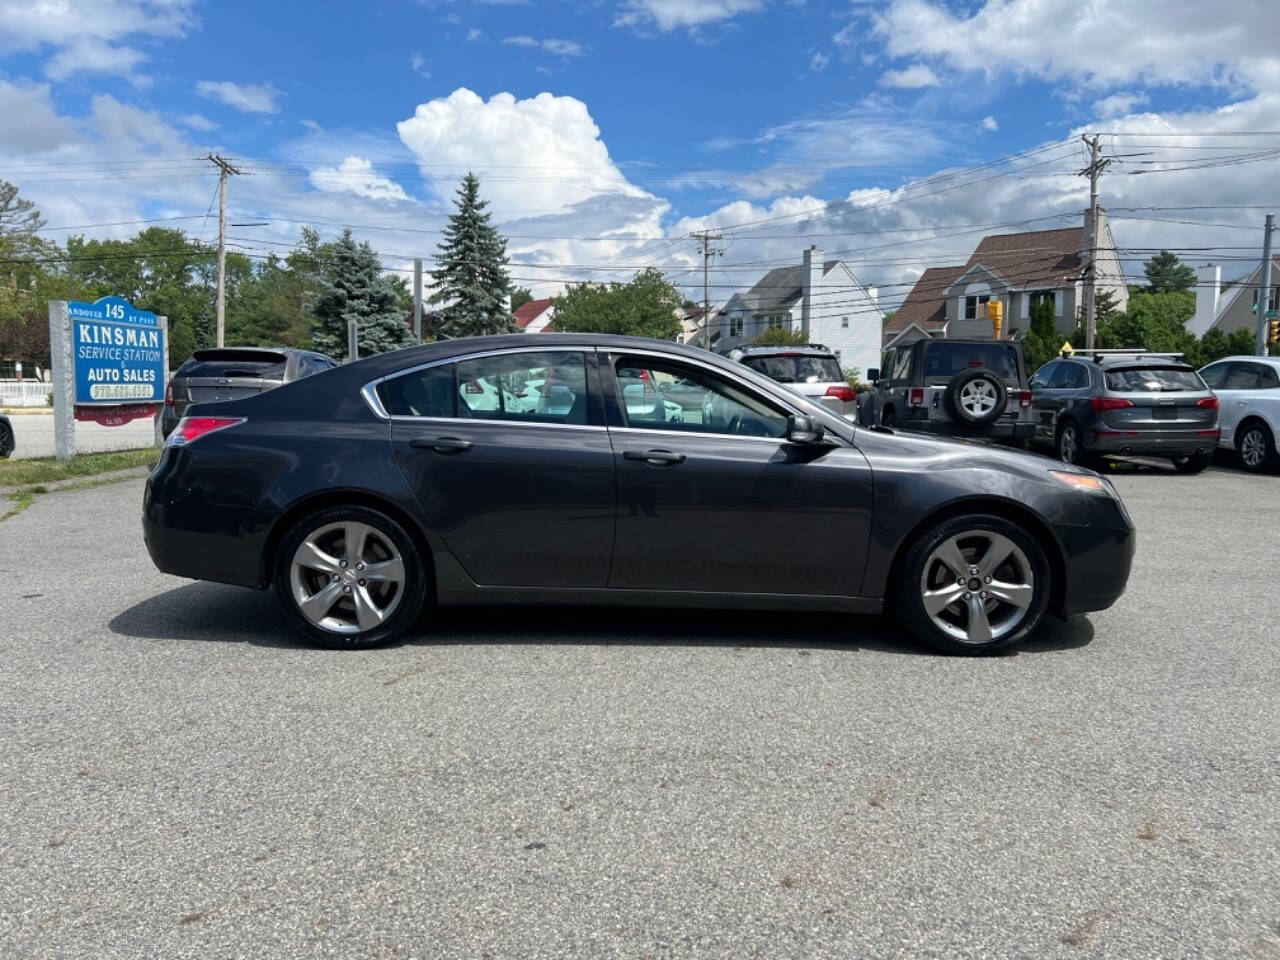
(780, 337)
(18, 217)
(471, 276)
(1165, 273)
(519, 297)
(644, 307)
(352, 286)
(887, 317)
(1042, 341)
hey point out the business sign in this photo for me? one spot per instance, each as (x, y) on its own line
(118, 353)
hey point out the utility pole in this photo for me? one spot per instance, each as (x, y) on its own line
(225, 169)
(417, 299)
(1093, 172)
(1264, 289)
(705, 241)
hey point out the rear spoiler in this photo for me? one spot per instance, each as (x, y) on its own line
(239, 355)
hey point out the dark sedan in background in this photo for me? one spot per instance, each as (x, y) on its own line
(231, 373)
(364, 492)
(7, 443)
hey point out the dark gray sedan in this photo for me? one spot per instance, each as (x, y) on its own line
(6, 437)
(1126, 403)
(232, 373)
(398, 483)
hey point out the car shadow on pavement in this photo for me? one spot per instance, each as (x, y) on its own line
(214, 612)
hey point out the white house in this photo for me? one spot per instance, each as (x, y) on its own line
(535, 316)
(821, 299)
(1235, 308)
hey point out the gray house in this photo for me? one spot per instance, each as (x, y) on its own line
(1018, 269)
(1235, 309)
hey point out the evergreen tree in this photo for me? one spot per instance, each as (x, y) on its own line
(1165, 272)
(1042, 340)
(519, 297)
(471, 279)
(352, 285)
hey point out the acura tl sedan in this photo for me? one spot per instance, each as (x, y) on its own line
(366, 493)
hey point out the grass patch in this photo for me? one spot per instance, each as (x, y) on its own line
(16, 473)
(19, 500)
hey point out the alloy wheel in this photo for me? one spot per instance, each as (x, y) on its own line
(977, 587)
(347, 578)
(1253, 448)
(1067, 446)
(978, 397)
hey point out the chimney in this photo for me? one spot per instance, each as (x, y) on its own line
(811, 281)
(873, 293)
(1208, 290)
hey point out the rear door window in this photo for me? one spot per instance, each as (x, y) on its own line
(945, 361)
(429, 392)
(546, 387)
(1153, 380)
(902, 364)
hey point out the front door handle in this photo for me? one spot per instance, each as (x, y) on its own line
(654, 456)
(441, 444)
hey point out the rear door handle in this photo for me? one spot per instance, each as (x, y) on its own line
(441, 444)
(654, 456)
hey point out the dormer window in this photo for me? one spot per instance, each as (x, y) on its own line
(1041, 296)
(971, 305)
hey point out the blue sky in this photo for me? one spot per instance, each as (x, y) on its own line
(606, 131)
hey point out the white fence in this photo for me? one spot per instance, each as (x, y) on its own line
(28, 393)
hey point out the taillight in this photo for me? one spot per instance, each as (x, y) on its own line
(190, 429)
(1207, 403)
(168, 394)
(1109, 403)
(1023, 396)
(843, 392)
(915, 397)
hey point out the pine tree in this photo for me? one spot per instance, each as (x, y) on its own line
(352, 285)
(471, 280)
(1166, 272)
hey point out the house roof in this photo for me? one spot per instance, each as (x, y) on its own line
(926, 305)
(1032, 258)
(779, 289)
(526, 313)
(1238, 320)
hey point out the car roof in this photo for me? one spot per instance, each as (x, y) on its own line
(968, 341)
(807, 349)
(1271, 361)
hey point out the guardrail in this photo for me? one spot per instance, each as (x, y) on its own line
(27, 393)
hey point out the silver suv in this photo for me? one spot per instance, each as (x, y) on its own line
(812, 371)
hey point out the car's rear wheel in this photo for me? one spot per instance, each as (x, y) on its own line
(1256, 445)
(973, 584)
(6, 441)
(349, 577)
(1193, 463)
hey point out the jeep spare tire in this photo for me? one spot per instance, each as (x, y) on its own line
(976, 397)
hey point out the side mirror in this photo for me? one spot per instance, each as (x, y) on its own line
(804, 430)
(873, 375)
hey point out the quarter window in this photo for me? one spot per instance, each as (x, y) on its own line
(1214, 375)
(530, 387)
(1044, 376)
(421, 393)
(902, 364)
(662, 396)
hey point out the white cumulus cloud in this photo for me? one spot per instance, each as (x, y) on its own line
(910, 78)
(668, 15)
(1119, 104)
(562, 48)
(245, 97)
(356, 175)
(990, 124)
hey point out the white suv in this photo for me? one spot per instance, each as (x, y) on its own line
(1248, 390)
(812, 371)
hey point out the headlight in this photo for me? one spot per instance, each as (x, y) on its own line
(1083, 481)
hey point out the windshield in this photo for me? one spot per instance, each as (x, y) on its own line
(796, 368)
(1153, 380)
(944, 361)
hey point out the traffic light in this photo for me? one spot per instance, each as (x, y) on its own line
(1273, 331)
(995, 313)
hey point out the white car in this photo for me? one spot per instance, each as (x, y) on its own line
(1248, 390)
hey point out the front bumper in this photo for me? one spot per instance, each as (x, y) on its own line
(1098, 546)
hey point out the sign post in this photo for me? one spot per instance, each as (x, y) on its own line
(64, 380)
(110, 362)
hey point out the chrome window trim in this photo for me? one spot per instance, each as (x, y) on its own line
(471, 421)
(696, 433)
(370, 390)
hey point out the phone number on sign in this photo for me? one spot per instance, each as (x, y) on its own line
(121, 391)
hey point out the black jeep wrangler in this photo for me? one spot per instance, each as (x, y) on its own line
(958, 388)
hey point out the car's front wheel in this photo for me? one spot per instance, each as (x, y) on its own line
(349, 577)
(1256, 446)
(973, 584)
(1069, 443)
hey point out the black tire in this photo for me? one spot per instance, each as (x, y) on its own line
(411, 594)
(1073, 452)
(6, 441)
(1254, 433)
(1193, 463)
(907, 589)
(967, 417)
(887, 418)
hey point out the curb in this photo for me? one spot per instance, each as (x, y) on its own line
(53, 486)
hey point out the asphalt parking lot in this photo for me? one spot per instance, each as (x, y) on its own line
(33, 435)
(180, 778)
